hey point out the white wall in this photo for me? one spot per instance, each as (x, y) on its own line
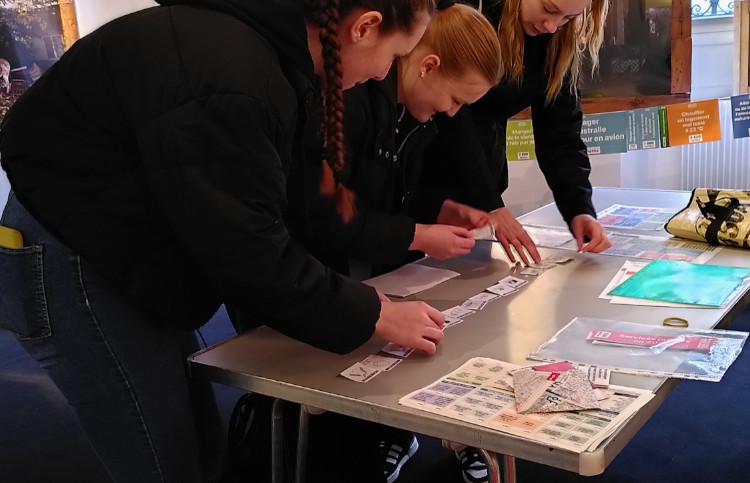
(94, 13)
(712, 61)
(527, 188)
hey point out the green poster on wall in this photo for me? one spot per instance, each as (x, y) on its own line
(519, 141)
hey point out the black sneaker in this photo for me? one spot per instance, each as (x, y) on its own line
(473, 466)
(396, 455)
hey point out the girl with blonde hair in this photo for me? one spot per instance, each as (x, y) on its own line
(543, 44)
(387, 126)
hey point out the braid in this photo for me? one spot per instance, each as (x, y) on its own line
(333, 109)
(398, 15)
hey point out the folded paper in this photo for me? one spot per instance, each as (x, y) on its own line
(545, 392)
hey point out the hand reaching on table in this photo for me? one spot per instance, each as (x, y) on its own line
(509, 232)
(586, 226)
(442, 241)
(410, 324)
(459, 214)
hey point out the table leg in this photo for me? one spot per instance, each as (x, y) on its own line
(493, 469)
(304, 419)
(509, 468)
(277, 441)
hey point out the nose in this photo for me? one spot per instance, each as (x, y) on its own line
(550, 25)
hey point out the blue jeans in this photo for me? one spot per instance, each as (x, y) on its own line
(124, 378)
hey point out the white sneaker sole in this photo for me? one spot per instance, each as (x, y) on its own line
(412, 449)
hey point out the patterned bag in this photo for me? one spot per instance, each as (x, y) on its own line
(719, 217)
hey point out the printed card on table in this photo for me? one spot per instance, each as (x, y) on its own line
(653, 341)
(693, 122)
(474, 304)
(458, 312)
(397, 350)
(370, 367)
(451, 321)
(501, 289)
(512, 281)
(483, 297)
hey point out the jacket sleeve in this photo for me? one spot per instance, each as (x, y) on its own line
(562, 154)
(370, 235)
(215, 166)
(459, 164)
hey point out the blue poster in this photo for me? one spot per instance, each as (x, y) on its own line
(633, 140)
(605, 133)
(741, 115)
(643, 128)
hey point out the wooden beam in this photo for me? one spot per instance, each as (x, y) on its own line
(69, 22)
(682, 47)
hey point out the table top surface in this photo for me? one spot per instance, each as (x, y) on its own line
(508, 329)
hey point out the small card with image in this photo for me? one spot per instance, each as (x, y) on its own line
(474, 304)
(451, 321)
(458, 312)
(532, 271)
(397, 350)
(484, 297)
(501, 289)
(513, 282)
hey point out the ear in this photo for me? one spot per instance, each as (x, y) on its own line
(365, 26)
(429, 63)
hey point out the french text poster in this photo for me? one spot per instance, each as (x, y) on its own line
(605, 133)
(643, 129)
(694, 122)
(741, 116)
(519, 141)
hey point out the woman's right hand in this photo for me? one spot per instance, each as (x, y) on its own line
(410, 324)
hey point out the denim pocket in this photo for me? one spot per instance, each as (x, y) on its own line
(23, 304)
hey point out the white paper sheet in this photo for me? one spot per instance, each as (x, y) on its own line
(410, 279)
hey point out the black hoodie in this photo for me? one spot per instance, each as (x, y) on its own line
(167, 137)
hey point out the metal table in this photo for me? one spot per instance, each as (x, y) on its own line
(507, 329)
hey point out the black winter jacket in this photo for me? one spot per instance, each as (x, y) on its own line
(167, 136)
(467, 161)
(384, 148)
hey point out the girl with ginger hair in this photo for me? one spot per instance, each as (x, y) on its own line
(387, 126)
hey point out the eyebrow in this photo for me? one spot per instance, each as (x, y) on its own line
(557, 9)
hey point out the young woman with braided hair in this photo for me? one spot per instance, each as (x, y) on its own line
(159, 194)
